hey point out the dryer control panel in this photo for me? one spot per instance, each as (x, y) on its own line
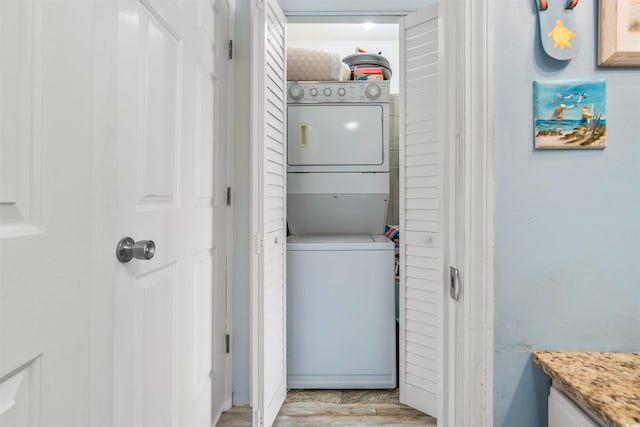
(336, 92)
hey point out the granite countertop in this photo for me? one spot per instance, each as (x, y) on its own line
(605, 385)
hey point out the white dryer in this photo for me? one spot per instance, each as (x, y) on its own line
(337, 157)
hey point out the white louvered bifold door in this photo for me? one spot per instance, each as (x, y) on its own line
(270, 120)
(421, 206)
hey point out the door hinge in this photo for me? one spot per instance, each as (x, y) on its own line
(258, 419)
(228, 196)
(454, 283)
(230, 52)
(259, 243)
(227, 343)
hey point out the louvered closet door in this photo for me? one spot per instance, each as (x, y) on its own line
(421, 207)
(269, 147)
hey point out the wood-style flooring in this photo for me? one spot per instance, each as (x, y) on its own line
(322, 408)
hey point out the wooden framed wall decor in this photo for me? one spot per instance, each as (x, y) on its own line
(619, 33)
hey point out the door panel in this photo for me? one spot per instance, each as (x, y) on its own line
(421, 207)
(205, 158)
(203, 299)
(269, 213)
(20, 396)
(20, 77)
(335, 135)
(158, 120)
(154, 356)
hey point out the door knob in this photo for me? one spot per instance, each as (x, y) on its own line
(128, 249)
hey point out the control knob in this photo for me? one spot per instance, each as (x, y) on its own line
(373, 91)
(313, 91)
(327, 91)
(296, 92)
(342, 91)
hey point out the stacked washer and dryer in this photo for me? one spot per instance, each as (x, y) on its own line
(340, 267)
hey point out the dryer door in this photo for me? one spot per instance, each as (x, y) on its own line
(337, 138)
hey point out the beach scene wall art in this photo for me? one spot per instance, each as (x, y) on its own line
(570, 114)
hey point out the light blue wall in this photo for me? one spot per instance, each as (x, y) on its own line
(567, 223)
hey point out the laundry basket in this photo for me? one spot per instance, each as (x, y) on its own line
(369, 60)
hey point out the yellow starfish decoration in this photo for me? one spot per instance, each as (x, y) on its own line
(561, 35)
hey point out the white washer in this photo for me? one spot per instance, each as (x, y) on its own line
(340, 312)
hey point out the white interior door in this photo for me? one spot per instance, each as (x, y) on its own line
(268, 123)
(421, 212)
(46, 129)
(167, 321)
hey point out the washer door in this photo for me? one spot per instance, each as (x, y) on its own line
(335, 137)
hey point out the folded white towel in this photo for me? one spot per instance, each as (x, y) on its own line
(304, 64)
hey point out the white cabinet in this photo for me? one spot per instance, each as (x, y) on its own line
(564, 413)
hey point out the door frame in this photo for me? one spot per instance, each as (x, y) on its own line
(470, 123)
(468, 328)
(255, 216)
(230, 137)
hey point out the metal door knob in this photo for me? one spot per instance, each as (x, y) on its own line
(128, 249)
